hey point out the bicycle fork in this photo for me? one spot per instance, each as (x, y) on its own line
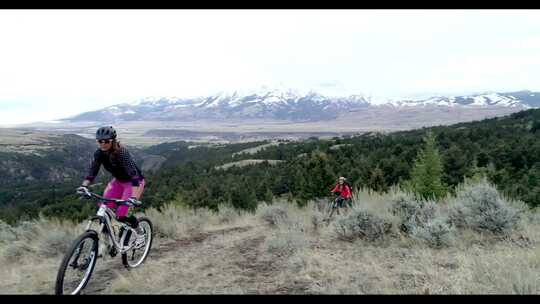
(86, 262)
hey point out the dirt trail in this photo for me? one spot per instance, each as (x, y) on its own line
(107, 269)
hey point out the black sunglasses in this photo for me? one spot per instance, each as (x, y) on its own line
(104, 141)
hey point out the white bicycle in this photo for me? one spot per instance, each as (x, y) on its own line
(77, 266)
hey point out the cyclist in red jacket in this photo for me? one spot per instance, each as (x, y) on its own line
(343, 189)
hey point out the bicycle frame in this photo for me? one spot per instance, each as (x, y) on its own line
(105, 216)
(117, 235)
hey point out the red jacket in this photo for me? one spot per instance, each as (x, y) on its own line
(345, 192)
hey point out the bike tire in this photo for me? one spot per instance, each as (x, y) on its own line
(59, 287)
(147, 247)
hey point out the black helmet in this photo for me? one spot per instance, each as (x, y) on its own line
(106, 133)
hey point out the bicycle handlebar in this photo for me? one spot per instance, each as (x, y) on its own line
(89, 194)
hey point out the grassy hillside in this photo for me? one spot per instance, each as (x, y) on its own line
(505, 149)
(474, 242)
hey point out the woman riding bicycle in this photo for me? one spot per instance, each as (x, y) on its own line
(343, 189)
(128, 181)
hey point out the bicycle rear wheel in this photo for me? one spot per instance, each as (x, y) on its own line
(77, 266)
(136, 256)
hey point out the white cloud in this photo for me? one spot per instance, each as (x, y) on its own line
(480, 73)
(79, 60)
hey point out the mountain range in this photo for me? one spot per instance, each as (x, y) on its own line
(286, 104)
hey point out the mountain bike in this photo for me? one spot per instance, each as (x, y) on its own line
(334, 206)
(118, 237)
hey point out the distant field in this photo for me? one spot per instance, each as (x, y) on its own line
(256, 149)
(26, 141)
(379, 119)
(247, 162)
(335, 147)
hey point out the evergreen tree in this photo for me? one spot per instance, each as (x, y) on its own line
(376, 180)
(319, 176)
(202, 197)
(427, 171)
(268, 197)
(244, 199)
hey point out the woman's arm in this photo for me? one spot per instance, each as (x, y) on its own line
(93, 170)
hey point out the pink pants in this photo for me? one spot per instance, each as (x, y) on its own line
(123, 191)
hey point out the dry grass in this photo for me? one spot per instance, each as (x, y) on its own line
(31, 253)
(201, 252)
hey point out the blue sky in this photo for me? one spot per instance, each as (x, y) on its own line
(57, 63)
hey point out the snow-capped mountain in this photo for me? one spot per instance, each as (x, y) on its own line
(273, 104)
(285, 104)
(524, 99)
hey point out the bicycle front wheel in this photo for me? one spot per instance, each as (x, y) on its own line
(78, 264)
(330, 209)
(136, 255)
